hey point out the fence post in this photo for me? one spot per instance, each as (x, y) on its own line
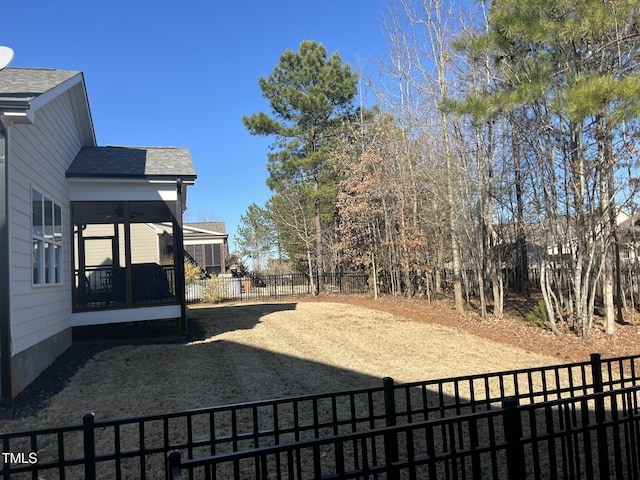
(391, 439)
(89, 446)
(601, 432)
(596, 372)
(173, 465)
(513, 437)
(389, 402)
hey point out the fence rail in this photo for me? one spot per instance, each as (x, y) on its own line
(108, 452)
(257, 286)
(554, 439)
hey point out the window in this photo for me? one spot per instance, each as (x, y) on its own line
(196, 253)
(207, 256)
(216, 255)
(46, 233)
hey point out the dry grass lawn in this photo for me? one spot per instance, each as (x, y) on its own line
(254, 351)
(247, 352)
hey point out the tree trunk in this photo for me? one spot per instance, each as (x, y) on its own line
(375, 275)
(604, 223)
(547, 297)
(455, 246)
(483, 299)
(312, 279)
(522, 265)
(319, 243)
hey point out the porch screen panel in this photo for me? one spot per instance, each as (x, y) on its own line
(196, 252)
(216, 255)
(57, 243)
(208, 255)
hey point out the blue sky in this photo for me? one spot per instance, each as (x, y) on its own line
(183, 74)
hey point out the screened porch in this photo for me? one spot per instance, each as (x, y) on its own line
(122, 259)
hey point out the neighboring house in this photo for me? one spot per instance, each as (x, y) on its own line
(63, 201)
(629, 238)
(541, 244)
(207, 243)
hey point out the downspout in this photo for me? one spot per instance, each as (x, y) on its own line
(5, 294)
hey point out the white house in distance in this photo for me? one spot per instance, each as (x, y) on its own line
(63, 198)
(207, 243)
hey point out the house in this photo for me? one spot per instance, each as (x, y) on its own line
(63, 201)
(207, 244)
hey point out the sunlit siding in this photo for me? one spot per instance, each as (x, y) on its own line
(144, 244)
(99, 252)
(39, 155)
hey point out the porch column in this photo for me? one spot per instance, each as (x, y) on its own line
(178, 258)
(127, 254)
(79, 289)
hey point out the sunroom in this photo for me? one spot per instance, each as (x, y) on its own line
(125, 267)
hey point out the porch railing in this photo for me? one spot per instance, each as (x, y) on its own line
(105, 287)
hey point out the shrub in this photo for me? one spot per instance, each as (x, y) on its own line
(538, 315)
(192, 274)
(215, 290)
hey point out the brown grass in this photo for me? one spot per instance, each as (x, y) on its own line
(256, 351)
(245, 352)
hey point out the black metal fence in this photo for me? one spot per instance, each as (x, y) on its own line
(572, 419)
(258, 286)
(557, 439)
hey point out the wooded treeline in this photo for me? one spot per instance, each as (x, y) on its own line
(503, 140)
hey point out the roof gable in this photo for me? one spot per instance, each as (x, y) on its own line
(217, 227)
(21, 86)
(24, 90)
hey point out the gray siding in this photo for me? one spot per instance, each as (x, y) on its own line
(39, 155)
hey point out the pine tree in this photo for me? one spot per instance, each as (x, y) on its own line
(573, 66)
(256, 236)
(310, 96)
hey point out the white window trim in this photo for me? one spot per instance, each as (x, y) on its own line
(55, 254)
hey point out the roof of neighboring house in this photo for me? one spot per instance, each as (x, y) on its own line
(133, 162)
(19, 86)
(218, 227)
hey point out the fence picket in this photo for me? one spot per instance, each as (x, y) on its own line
(513, 435)
(88, 422)
(387, 429)
(260, 286)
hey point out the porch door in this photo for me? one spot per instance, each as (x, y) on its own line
(95, 270)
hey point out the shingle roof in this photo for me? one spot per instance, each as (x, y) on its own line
(19, 86)
(133, 162)
(211, 226)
